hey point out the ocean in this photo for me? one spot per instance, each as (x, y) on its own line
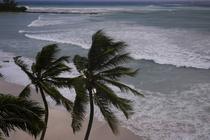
(170, 43)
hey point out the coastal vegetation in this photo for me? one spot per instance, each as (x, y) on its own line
(44, 75)
(20, 113)
(16, 112)
(103, 67)
(11, 6)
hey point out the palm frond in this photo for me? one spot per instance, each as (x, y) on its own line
(1, 136)
(122, 87)
(45, 58)
(123, 104)
(57, 96)
(81, 63)
(57, 67)
(81, 100)
(60, 60)
(108, 115)
(20, 113)
(103, 48)
(23, 66)
(115, 61)
(118, 72)
(62, 82)
(25, 93)
(78, 113)
(56, 70)
(57, 83)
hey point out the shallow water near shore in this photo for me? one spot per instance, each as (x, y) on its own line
(171, 47)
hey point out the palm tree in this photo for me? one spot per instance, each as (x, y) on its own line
(44, 75)
(100, 69)
(20, 113)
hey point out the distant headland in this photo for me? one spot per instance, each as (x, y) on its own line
(11, 6)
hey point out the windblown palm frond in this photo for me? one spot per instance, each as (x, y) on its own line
(120, 103)
(45, 57)
(19, 113)
(81, 100)
(25, 93)
(104, 66)
(1, 136)
(122, 87)
(81, 63)
(45, 76)
(103, 49)
(0, 77)
(57, 96)
(24, 67)
(118, 72)
(109, 116)
(1, 74)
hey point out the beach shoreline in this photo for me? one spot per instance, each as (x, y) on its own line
(59, 125)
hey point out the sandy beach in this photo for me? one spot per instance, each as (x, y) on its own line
(59, 125)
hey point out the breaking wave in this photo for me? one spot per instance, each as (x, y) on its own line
(182, 48)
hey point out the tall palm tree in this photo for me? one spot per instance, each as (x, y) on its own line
(19, 113)
(44, 75)
(100, 69)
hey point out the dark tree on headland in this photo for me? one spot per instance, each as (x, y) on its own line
(11, 6)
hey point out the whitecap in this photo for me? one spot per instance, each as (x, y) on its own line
(182, 48)
(45, 22)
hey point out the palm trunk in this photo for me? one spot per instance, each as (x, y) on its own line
(91, 115)
(46, 114)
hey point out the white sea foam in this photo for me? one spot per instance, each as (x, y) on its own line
(167, 46)
(105, 10)
(60, 38)
(51, 20)
(94, 10)
(45, 22)
(177, 116)
(164, 46)
(74, 10)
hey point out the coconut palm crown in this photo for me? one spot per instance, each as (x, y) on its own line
(21, 114)
(101, 68)
(44, 75)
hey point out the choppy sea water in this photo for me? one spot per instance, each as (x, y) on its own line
(171, 46)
